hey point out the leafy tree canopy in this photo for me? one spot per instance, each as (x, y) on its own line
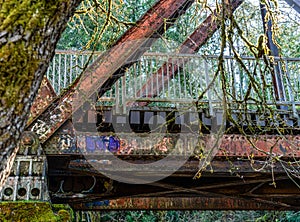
(97, 24)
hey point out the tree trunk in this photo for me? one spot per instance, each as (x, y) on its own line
(29, 31)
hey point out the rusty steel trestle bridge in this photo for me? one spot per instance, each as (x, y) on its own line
(150, 106)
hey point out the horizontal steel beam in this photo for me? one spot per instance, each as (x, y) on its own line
(233, 145)
(180, 203)
(225, 188)
(63, 166)
(278, 191)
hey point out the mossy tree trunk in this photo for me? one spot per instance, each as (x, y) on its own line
(29, 31)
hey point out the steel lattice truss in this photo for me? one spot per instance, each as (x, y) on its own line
(240, 178)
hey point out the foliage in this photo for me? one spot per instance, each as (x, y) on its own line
(243, 33)
(289, 33)
(191, 216)
(249, 17)
(34, 212)
(97, 24)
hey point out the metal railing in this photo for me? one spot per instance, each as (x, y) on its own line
(194, 74)
(66, 66)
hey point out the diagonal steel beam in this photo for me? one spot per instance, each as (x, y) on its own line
(190, 46)
(295, 4)
(45, 96)
(103, 73)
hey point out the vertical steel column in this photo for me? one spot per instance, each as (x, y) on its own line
(276, 74)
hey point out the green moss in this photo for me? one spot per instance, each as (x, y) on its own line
(34, 211)
(22, 28)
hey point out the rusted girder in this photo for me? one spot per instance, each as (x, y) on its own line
(190, 46)
(178, 203)
(103, 73)
(256, 187)
(219, 166)
(232, 145)
(45, 96)
(260, 146)
(237, 177)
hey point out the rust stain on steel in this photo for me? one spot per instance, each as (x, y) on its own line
(45, 96)
(190, 46)
(103, 73)
(239, 145)
(234, 145)
(177, 203)
(188, 170)
(132, 44)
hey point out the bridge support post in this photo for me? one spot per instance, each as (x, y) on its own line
(276, 73)
(27, 180)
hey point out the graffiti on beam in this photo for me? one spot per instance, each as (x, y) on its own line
(68, 143)
(231, 145)
(123, 146)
